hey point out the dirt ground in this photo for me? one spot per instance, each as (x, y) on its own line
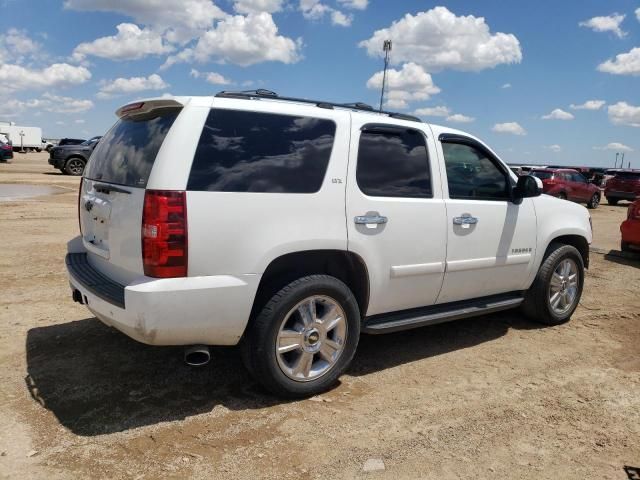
(489, 397)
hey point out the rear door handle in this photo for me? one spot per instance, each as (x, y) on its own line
(370, 219)
(465, 219)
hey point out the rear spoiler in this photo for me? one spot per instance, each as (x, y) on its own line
(145, 106)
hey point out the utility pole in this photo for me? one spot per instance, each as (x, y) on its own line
(386, 47)
(622, 161)
(615, 165)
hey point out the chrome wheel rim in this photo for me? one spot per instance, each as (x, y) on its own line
(76, 167)
(563, 288)
(596, 201)
(311, 338)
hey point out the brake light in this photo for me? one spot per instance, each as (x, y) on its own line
(633, 213)
(79, 197)
(164, 234)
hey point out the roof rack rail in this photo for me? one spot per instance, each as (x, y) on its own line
(263, 93)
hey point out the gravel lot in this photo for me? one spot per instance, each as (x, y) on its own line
(493, 396)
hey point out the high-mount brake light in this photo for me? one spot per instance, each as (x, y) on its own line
(131, 107)
(164, 234)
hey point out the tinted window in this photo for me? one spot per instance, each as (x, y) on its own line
(472, 175)
(393, 164)
(126, 153)
(576, 177)
(542, 175)
(628, 175)
(261, 152)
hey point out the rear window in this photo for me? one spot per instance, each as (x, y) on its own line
(628, 175)
(542, 175)
(125, 155)
(261, 152)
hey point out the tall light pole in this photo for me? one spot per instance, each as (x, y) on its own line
(622, 161)
(615, 165)
(386, 47)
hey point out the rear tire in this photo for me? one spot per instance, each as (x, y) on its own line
(594, 202)
(288, 350)
(562, 196)
(624, 246)
(74, 166)
(557, 288)
(612, 201)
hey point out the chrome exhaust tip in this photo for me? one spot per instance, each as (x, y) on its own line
(197, 355)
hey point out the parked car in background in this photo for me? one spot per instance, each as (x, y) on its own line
(568, 184)
(625, 185)
(6, 151)
(630, 229)
(71, 159)
(70, 141)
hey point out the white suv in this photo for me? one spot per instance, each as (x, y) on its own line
(290, 226)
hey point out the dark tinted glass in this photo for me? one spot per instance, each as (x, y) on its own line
(261, 152)
(393, 164)
(472, 175)
(628, 175)
(125, 155)
(577, 177)
(542, 175)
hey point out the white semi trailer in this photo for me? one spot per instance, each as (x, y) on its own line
(22, 137)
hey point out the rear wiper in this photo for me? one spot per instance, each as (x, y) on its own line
(106, 188)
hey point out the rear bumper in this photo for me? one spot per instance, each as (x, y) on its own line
(211, 310)
(630, 230)
(621, 195)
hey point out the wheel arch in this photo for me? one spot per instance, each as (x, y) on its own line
(578, 241)
(346, 266)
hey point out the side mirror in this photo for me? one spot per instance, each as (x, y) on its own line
(528, 186)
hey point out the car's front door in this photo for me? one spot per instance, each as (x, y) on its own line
(396, 220)
(581, 187)
(491, 241)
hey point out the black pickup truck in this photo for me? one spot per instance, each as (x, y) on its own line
(71, 159)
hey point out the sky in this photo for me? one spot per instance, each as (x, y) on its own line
(541, 82)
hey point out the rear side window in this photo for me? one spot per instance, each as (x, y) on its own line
(125, 155)
(628, 175)
(261, 152)
(393, 163)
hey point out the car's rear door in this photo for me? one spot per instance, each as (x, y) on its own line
(113, 189)
(396, 219)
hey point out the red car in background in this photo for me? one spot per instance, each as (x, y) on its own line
(625, 185)
(630, 229)
(569, 185)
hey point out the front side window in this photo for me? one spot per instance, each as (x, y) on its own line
(472, 175)
(577, 177)
(261, 152)
(393, 163)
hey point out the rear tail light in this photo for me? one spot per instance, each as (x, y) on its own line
(79, 197)
(164, 234)
(633, 213)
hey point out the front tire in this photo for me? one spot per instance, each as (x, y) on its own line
(304, 337)
(557, 288)
(562, 196)
(594, 202)
(612, 201)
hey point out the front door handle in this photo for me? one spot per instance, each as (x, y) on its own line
(465, 219)
(370, 219)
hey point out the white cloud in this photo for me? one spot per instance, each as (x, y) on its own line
(554, 148)
(48, 102)
(130, 43)
(405, 85)
(558, 114)
(624, 114)
(358, 4)
(16, 46)
(623, 64)
(182, 19)
(79, 121)
(17, 77)
(121, 86)
(242, 41)
(459, 118)
(588, 105)
(615, 146)
(437, 39)
(609, 23)
(441, 111)
(211, 77)
(509, 127)
(506, 85)
(638, 14)
(257, 6)
(316, 10)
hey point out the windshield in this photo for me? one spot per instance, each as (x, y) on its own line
(542, 175)
(125, 155)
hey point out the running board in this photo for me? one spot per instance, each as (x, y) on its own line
(420, 317)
